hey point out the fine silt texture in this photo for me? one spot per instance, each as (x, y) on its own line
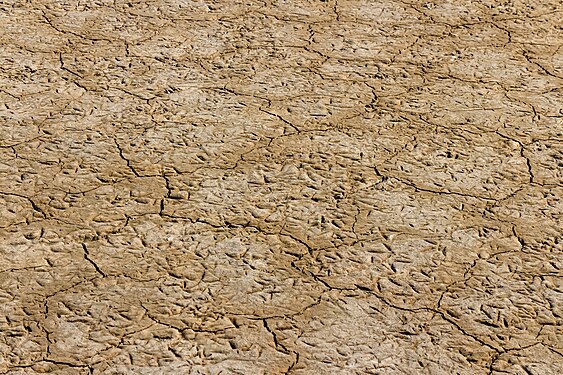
(281, 187)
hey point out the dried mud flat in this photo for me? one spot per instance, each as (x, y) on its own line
(313, 187)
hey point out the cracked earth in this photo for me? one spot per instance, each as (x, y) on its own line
(311, 187)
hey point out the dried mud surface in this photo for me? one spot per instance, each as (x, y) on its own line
(312, 187)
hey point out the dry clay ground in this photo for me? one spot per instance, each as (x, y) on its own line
(307, 187)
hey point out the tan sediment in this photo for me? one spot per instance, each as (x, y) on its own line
(312, 187)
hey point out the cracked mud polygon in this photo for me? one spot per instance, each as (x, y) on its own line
(308, 187)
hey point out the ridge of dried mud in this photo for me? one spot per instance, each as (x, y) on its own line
(313, 187)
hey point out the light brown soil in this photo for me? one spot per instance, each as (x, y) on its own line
(287, 187)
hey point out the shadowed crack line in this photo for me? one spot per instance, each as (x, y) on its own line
(89, 260)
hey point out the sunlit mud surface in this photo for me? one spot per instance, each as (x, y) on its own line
(288, 187)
